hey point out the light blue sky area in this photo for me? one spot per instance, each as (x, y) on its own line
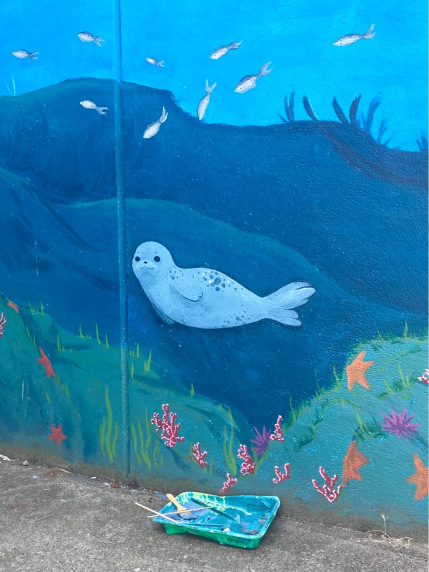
(52, 29)
(296, 36)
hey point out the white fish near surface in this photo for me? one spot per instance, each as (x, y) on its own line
(219, 52)
(88, 37)
(352, 38)
(22, 54)
(209, 299)
(202, 106)
(87, 104)
(155, 62)
(153, 128)
(249, 81)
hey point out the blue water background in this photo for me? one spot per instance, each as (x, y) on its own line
(296, 36)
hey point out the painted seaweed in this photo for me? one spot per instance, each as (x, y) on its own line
(108, 441)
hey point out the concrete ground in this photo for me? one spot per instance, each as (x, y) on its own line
(55, 521)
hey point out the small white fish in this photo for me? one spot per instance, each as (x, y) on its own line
(153, 128)
(155, 62)
(351, 38)
(219, 52)
(202, 106)
(249, 81)
(88, 37)
(22, 54)
(87, 104)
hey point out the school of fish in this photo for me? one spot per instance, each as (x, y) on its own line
(245, 84)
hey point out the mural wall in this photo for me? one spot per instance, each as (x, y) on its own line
(214, 262)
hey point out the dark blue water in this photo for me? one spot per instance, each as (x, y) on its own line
(319, 202)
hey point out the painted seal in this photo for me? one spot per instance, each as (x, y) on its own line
(209, 299)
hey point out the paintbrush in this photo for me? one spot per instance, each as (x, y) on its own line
(157, 513)
(178, 511)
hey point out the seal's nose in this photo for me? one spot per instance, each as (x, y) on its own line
(145, 261)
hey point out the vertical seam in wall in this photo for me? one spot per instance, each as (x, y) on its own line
(122, 241)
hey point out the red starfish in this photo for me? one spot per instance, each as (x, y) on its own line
(44, 360)
(57, 434)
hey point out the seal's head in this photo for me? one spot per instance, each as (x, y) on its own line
(151, 262)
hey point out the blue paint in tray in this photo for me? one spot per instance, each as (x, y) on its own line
(239, 521)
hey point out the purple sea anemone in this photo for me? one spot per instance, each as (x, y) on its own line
(399, 424)
(261, 441)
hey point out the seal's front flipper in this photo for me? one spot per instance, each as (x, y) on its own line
(189, 290)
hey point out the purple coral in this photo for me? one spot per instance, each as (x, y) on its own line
(399, 424)
(261, 441)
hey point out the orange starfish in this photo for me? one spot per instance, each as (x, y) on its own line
(353, 460)
(420, 478)
(44, 360)
(57, 434)
(356, 371)
(13, 305)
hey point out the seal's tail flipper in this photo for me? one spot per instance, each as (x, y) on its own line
(281, 303)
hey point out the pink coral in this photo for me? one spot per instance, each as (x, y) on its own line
(228, 483)
(278, 433)
(198, 455)
(282, 476)
(425, 377)
(248, 465)
(3, 322)
(328, 489)
(168, 426)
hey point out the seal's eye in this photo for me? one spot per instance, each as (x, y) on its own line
(137, 258)
(157, 259)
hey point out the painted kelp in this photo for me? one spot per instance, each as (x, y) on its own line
(377, 406)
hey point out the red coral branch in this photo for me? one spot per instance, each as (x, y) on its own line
(425, 377)
(248, 465)
(3, 322)
(168, 427)
(328, 489)
(228, 483)
(198, 455)
(278, 433)
(282, 476)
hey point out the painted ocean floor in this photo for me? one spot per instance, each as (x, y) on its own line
(62, 391)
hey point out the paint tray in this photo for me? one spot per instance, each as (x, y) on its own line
(238, 521)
